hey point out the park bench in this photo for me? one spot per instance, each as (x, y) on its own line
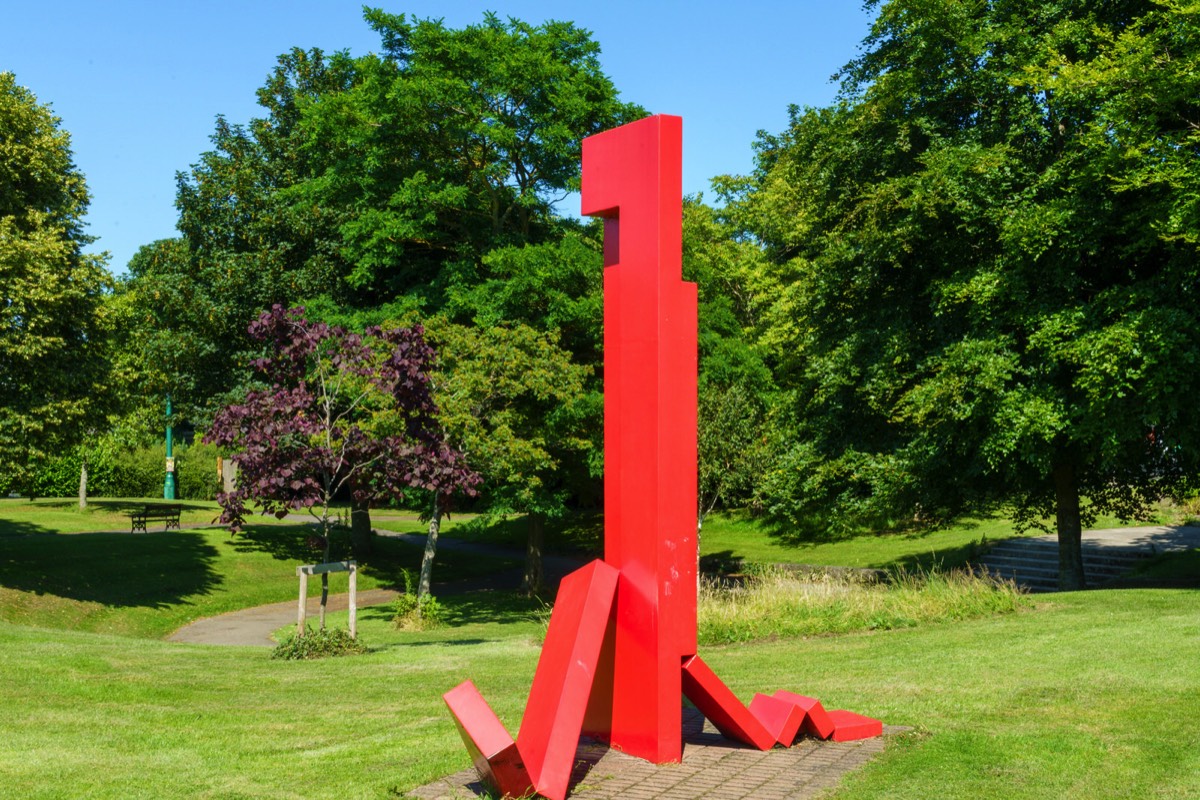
(169, 514)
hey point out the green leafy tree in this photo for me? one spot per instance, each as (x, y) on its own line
(736, 388)
(377, 178)
(455, 142)
(989, 249)
(53, 328)
(514, 404)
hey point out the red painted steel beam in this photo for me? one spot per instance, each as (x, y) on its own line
(632, 177)
(562, 684)
(816, 719)
(721, 706)
(493, 752)
(848, 726)
(781, 718)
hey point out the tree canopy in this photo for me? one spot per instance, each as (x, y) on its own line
(381, 179)
(53, 330)
(988, 248)
(339, 413)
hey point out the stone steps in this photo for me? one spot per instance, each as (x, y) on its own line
(1033, 563)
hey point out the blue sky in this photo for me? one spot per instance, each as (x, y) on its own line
(139, 84)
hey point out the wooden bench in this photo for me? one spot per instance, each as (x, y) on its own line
(169, 514)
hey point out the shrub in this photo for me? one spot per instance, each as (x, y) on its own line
(196, 471)
(413, 613)
(118, 471)
(418, 615)
(322, 643)
(774, 602)
(137, 472)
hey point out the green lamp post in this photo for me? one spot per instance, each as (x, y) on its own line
(169, 483)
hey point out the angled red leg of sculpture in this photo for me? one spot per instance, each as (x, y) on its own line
(816, 720)
(492, 750)
(848, 726)
(563, 682)
(721, 706)
(544, 752)
(632, 177)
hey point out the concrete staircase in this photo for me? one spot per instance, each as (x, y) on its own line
(1033, 563)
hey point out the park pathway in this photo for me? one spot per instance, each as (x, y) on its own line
(253, 626)
(1109, 554)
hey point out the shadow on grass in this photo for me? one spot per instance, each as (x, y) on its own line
(491, 606)
(289, 542)
(818, 531)
(389, 559)
(12, 527)
(1166, 571)
(578, 534)
(151, 570)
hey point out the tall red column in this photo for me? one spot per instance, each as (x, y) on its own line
(621, 646)
(632, 177)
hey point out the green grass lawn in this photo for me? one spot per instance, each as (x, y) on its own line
(726, 537)
(1090, 695)
(151, 584)
(63, 515)
(578, 534)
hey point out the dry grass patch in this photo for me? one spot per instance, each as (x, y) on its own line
(774, 602)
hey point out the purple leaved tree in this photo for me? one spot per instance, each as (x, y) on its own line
(343, 414)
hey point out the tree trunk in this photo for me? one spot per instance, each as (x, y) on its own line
(435, 527)
(1070, 529)
(325, 575)
(532, 583)
(362, 538)
(83, 484)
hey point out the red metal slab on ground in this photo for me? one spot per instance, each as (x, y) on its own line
(848, 726)
(632, 177)
(721, 706)
(781, 718)
(562, 684)
(816, 718)
(492, 750)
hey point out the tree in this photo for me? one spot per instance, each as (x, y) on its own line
(989, 248)
(53, 347)
(343, 413)
(736, 388)
(454, 143)
(514, 403)
(374, 179)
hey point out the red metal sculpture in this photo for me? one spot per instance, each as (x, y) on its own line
(621, 647)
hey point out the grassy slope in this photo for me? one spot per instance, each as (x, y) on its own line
(1080, 698)
(1092, 695)
(150, 584)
